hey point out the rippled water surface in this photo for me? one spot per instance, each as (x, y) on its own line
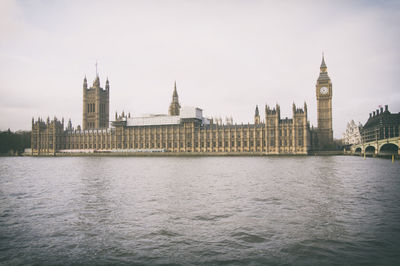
(202, 210)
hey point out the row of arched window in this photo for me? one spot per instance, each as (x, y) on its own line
(91, 107)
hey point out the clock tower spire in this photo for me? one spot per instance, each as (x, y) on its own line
(324, 107)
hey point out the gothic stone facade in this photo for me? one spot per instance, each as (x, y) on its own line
(277, 136)
(96, 102)
(47, 137)
(186, 135)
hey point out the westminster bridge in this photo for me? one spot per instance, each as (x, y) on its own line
(389, 146)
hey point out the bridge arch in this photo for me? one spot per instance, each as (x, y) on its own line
(370, 150)
(358, 150)
(389, 148)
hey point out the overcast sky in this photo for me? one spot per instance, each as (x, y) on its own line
(226, 56)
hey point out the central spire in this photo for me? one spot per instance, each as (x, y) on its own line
(96, 83)
(174, 108)
(175, 93)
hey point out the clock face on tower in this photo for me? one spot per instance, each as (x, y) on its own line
(323, 90)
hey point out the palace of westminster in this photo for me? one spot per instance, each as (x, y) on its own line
(185, 129)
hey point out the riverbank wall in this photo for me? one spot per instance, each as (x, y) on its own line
(186, 154)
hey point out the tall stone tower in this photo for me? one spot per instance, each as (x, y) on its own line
(96, 102)
(174, 107)
(324, 107)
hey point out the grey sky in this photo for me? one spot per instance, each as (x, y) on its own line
(226, 56)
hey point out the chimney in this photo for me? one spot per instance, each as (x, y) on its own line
(386, 108)
(370, 115)
(381, 110)
(373, 113)
(377, 111)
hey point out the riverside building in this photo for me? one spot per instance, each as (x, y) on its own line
(381, 124)
(184, 129)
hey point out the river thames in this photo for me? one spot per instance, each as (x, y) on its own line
(334, 210)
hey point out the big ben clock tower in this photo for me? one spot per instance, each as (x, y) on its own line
(324, 107)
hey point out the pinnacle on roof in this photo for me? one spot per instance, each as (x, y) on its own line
(257, 113)
(107, 84)
(85, 83)
(323, 65)
(323, 75)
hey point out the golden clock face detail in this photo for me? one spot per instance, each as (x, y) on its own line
(324, 90)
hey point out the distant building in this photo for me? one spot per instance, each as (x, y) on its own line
(352, 134)
(185, 129)
(381, 124)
